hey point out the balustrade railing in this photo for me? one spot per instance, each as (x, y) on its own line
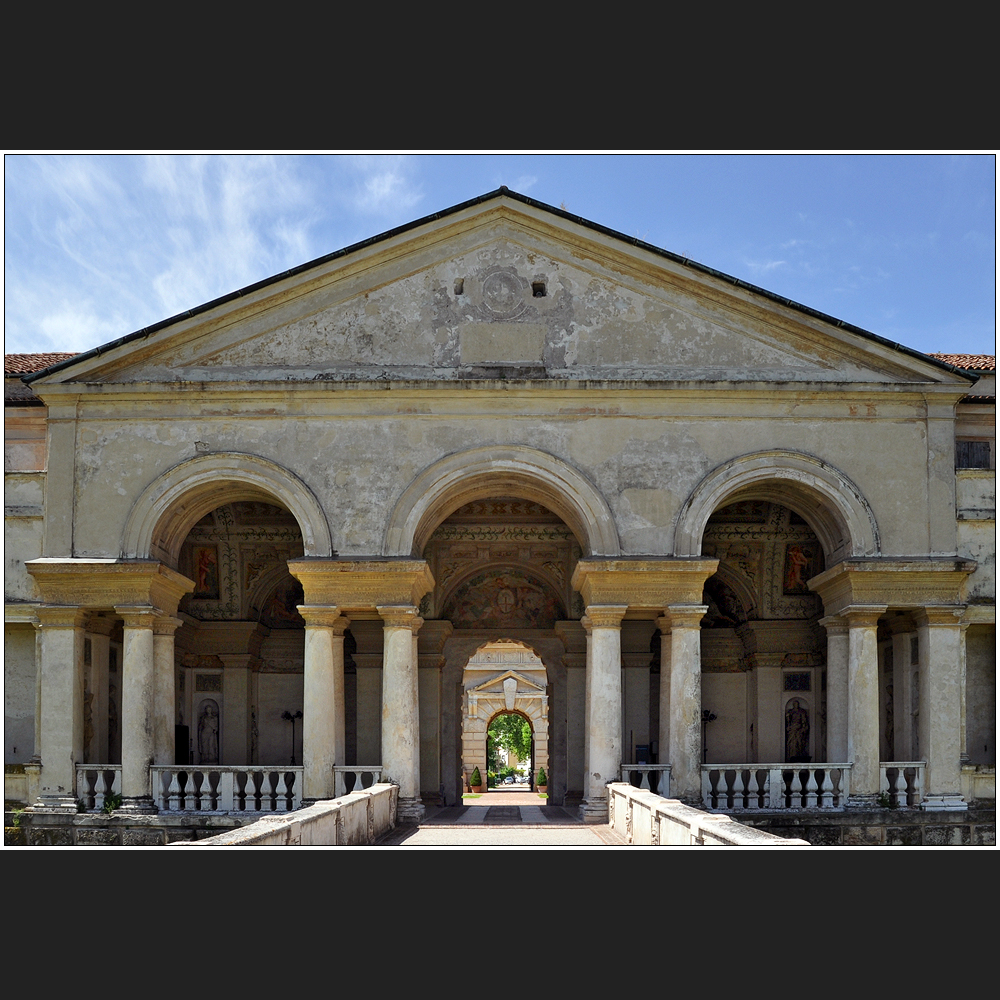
(97, 783)
(745, 787)
(353, 779)
(648, 777)
(226, 789)
(902, 783)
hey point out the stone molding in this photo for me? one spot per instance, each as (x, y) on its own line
(108, 583)
(171, 504)
(898, 583)
(359, 587)
(838, 511)
(495, 471)
(646, 586)
(323, 616)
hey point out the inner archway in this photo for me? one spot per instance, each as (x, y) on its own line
(502, 678)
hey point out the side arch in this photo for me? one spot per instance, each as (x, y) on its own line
(832, 504)
(172, 503)
(480, 473)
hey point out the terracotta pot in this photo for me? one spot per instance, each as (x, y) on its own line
(476, 788)
(541, 789)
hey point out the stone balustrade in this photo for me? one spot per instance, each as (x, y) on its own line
(226, 789)
(355, 778)
(358, 818)
(96, 783)
(645, 819)
(648, 777)
(747, 787)
(902, 783)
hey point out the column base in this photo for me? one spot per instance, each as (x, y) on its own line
(944, 803)
(594, 811)
(409, 811)
(54, 804)
(137, 805)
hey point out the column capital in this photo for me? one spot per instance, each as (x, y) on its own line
(606, 615)
(686, 615)
(664, 624)
(835, 624)
(60, 616)
(166, 625)
(938, 615)
(864, 615)
(327, 615)
(400, 616)
(138, 615)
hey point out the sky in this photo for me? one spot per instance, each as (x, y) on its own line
(98, 246)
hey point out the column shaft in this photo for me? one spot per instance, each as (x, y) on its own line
(940, 634)
(685, 701)
(400, 709)
(61, 705)
(863, 701)
(138, 707)
(666, 646)
(837, 660)
(604, 707)
(164, 685)
(323, 699)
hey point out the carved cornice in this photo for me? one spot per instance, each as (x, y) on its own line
(643, 585)
(361, 586)
(107, 583)
(896, 583)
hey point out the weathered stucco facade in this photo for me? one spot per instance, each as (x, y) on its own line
(326, 493)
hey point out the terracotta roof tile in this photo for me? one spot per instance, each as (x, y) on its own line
(971, 362)
(25, 364)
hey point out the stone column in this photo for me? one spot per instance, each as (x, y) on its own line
(862, 703)
(604, 707)
(964, 739)
(939, 630)
(400, 711)
(685, 701)
(164, 690)
(61, 706)
(666, 643)
(837, 660)
(323, 741)
(137, 707)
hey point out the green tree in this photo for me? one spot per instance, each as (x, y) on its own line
(511, 733)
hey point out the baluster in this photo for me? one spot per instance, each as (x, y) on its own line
(213, 779)
(258, 781)
(707, 795)
(197, 790)
(918, 785)
(811, 789)
(644, 779)
(240, 790)
(89, 788)
(174, 792)
(826, 791)
(272, 779)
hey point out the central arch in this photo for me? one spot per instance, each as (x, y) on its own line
(480, 473)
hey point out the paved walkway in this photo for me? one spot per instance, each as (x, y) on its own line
(502, 817)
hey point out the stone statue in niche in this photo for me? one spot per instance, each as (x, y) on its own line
(796, 733)
(208, 733)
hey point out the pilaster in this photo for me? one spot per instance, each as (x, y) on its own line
(837, 662)
(164, 690)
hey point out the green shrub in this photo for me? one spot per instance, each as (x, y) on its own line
(476, 779)
(543, 778)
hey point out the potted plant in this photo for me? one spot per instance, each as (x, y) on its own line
(542, 782)
(476, 781)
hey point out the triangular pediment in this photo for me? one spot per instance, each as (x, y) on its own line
(501, 288)
(495, 684)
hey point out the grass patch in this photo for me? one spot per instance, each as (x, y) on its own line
(472, 795)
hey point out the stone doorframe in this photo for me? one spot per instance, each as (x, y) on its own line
(517, 686)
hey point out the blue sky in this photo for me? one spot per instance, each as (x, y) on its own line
(96, 247)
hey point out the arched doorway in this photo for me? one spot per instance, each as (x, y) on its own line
(503, 677)
(762, 649)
